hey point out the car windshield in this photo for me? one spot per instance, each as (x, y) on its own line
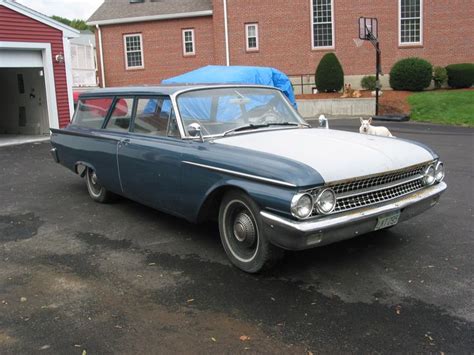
(222, 111)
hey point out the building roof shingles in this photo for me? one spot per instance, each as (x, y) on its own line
(120, 9)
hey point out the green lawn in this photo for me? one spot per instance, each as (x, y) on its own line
(446, 107)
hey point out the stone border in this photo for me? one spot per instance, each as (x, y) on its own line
(336, 107)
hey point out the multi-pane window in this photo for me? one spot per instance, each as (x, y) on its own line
(188, 42)
(411, 21)
(251, 34)
(133, 51)
(323, 24)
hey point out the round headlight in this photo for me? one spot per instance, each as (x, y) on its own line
(429, 176)
(326, 201)
(302, 206)
(439, 172)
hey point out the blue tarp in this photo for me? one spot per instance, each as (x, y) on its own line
(215, 74)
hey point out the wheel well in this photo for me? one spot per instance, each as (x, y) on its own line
(209, 210)
(80, 168)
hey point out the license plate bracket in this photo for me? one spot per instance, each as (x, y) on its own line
(387, 220)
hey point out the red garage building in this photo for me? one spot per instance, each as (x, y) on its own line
(35, 74)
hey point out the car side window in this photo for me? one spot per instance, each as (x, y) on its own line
(155, 116)
(91, 113)
(121, 115)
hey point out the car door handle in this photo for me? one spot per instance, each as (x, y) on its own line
(124, 141)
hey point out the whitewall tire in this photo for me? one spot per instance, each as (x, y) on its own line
(242, 234)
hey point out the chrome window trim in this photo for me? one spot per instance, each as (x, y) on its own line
(236, 173)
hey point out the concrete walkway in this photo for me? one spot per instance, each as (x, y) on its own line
(16, 139)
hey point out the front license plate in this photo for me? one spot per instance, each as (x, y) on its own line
(388, 220)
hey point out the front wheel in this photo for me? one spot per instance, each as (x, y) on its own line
(241, 234)
(96, 191)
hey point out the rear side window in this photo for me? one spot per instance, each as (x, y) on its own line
(92, 112)
(121, 115)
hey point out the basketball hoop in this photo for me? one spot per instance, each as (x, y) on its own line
(369, 31)
(358, 42)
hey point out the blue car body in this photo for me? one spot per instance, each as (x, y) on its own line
(152, 170)
(186, 176)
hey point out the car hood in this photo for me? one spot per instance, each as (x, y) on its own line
(335, 155)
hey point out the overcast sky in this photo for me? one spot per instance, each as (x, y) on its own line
(70, 9)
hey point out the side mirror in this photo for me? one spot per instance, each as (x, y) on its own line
(194, 130)
(323, 122)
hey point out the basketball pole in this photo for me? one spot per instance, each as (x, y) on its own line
(377, 78)
(375, 42)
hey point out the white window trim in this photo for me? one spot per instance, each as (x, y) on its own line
(193, 41)
(247, 37)
(312, 28)
(408, 44)
(125, 50)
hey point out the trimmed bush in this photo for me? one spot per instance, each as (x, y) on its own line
(412, 74)
(440, 76)
(329, 74)
(460, 75)
(369, 82)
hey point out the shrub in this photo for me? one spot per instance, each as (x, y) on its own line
(460, 75)
(329, 74)
(412, 74)
(368, 82)
(440, 76)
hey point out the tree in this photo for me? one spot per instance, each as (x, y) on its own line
(78, 24)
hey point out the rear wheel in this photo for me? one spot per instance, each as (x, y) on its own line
(242, 234)
(96, 191)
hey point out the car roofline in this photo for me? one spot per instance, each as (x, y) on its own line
(168, 90)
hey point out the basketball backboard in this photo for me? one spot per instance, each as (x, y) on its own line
(368, 28)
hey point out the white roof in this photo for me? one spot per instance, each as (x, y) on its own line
(68, 32)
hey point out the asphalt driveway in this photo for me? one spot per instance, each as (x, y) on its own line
(122, 278)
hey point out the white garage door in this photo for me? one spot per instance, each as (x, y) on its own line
(20, 59)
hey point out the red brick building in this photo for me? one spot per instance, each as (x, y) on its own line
(145, 41)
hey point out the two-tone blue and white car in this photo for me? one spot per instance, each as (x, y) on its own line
(243, 156)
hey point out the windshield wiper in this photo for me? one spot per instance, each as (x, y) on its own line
(257, 126)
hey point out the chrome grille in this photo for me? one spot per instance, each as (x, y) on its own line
(350, 203)
(377, 180)
(375, 189)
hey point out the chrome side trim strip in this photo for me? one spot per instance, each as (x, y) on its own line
(339, 220)
(236, 173)
(378, 187)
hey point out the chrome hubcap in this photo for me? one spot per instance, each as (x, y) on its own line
(244, 229)
(241, 232)
(94, 178)
(93, 183)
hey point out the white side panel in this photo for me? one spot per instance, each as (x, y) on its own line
(20, 59)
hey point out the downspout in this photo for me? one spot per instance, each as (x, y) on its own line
(102, 72)
(226, 32)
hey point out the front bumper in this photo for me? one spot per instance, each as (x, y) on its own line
(298, 235)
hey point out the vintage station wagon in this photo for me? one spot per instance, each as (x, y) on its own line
(243, 156)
